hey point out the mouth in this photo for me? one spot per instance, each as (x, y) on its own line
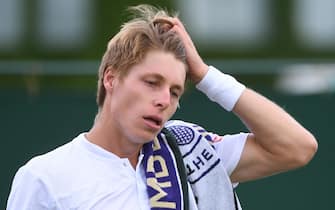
(154, 122)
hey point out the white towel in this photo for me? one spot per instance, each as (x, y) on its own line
(209, 180)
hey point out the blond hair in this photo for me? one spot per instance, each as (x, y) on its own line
(148, 30)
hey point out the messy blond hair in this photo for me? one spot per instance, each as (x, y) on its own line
(147, 30)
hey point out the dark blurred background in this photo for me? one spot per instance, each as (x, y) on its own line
(50, 52)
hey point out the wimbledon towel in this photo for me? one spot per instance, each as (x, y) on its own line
(193, 159)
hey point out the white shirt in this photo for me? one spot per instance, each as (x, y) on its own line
(81, 175)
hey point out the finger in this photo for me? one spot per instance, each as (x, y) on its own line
(183, 35)
(177, 21)
(163, 21)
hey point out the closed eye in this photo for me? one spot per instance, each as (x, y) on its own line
(151, 82)
(175, 92)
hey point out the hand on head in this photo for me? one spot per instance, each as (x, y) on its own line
(197, 67)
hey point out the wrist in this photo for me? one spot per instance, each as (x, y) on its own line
(201, 72)
(221, 88)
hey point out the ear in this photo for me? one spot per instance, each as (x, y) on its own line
(109, 78)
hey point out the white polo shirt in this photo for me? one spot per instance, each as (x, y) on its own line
(81, 175)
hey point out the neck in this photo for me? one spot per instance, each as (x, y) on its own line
(105, 135)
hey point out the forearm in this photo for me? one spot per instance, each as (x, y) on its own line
(277, 141)
(274, 130)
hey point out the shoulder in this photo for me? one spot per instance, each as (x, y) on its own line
(44, 172)
(51, 162)
(40, 176)
(228, 147)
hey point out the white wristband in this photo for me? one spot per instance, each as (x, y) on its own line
(221, 88)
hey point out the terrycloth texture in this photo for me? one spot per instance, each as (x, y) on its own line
(209, 180)
(210, 183)
(162, 177)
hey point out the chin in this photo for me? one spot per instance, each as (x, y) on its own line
(142, 135)
(147, 136)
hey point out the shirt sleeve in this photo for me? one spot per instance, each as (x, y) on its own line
(29, 192)
(230, 150)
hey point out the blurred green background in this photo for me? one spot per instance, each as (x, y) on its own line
(50, 52)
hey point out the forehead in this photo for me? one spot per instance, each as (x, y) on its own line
(161, 64)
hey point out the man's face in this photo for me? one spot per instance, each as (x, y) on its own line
(142, 101)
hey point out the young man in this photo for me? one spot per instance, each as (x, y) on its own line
(134, 158)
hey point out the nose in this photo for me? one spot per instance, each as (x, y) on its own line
(163, 99)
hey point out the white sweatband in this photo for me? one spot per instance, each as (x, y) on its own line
(221, 88)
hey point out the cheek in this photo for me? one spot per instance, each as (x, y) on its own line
(130, 99)
(128, 102)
